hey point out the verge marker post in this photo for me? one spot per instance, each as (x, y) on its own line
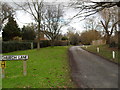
(98, 49)
(113, 54)
(24, 67)
(31, 45)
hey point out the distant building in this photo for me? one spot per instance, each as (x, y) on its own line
(43, 36)
(99, 42)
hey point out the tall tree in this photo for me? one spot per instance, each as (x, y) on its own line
(35, 9)
(92, 23)
(92, 7)
(11, 29)
(28, 33)
(53, 21)
(5, 11)
(109, 22)
(74, 39)
(88, 36)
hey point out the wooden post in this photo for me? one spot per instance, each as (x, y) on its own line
(113, 54)
(31, 45)
(98, 49)
(3, 64)
(24, 67)
(3, 73)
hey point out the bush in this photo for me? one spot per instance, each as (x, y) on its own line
(44, 43)
(11, 46)
(112, 44)
(61, 43)
(64, 38)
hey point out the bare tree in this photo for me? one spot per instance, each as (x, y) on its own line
(109, 22)
(34, 8)
(5, 11)
(53, 22)
(90, 8)
(92, 23)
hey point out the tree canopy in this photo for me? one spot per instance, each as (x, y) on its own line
(28, 33)
(11, 29)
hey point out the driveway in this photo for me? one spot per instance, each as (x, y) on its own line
(92, 71)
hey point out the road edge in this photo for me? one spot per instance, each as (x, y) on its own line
(101, 56)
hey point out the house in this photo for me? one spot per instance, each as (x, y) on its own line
(99, 42)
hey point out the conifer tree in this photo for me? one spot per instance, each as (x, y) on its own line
(10, 30)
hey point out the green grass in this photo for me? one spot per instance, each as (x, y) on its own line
(46, 68)
(105, 51)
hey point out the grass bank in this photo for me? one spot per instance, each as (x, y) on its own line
(105, 51)
(46, 68)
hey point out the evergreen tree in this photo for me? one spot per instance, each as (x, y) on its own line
(28, 33)
(10, 30)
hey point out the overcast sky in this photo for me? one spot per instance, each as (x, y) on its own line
(23, 18)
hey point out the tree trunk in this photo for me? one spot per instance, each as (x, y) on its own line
(108, 39)
(39, 23)
(38, 45)
(38, 41)
(52, 43)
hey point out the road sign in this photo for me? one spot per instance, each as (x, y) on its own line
(3, 64)
(14, 57)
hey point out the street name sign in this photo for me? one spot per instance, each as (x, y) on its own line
(3, 64)
(14, 57)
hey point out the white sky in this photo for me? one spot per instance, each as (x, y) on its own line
(24, 18)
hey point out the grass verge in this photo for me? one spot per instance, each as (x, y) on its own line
(46, 68)
(105, 51)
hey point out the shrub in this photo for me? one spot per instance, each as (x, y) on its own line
(112, 44)
(64, 38)
(11, 46)
(61, 43)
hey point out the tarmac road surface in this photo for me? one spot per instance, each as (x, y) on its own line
(92, 71)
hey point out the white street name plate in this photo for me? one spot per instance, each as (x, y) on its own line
(14, 57)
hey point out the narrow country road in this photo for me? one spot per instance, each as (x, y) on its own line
(92, 71)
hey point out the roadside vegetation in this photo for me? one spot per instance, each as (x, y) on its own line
(105, 51)
(46, 68)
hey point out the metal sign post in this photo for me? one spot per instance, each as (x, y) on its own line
(14, 58)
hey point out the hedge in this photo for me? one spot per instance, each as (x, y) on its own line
(11, 46)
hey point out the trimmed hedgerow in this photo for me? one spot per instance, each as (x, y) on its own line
(11, 46)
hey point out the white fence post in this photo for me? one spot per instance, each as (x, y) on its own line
(113, 54)
(31, 45)
(98, 49)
